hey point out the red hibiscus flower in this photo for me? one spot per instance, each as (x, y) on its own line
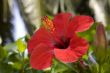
(57, 38)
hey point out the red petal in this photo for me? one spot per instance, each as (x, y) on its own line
(41, 57)
(79, 24)
(79, 45)
(60, 22)
(65, 55)
(77, 48)
(40, 36)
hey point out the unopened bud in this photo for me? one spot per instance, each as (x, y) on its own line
(101, 44)
(100, 40)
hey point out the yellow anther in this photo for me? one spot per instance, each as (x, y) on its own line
(48, 24)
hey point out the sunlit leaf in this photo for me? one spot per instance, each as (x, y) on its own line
(11, 47)
(89, 34)
(20, 45)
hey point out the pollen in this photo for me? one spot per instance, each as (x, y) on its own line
(48, 24)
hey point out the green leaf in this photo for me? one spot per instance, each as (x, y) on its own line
(58, 66)
(106, 68)
(5, 68)
(3, 53)
(11, 47)
(89, 33)
(93, 68)
(17, 65)
(20, 45)
(100, 55)
(85, 57)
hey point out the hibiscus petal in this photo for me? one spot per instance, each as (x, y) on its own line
(79, 24)
(60, 22)
(77, 48)
(65, 55)
(41, 57)
(79, 45)
(40, 36)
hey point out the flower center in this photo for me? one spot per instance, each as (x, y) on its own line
(48, 24)
(64, 45)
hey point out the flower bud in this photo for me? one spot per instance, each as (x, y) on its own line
(100, 40)
(101, 43)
